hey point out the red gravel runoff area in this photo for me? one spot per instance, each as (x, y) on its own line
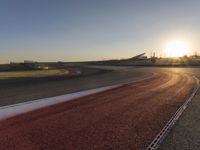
(128, 117)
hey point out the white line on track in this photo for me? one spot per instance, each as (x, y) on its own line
(21, 108)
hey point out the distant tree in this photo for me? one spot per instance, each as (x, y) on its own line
(153, 60)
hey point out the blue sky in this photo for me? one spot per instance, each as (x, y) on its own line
(52, 30)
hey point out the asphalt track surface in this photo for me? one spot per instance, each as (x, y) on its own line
(128, 117)
(14, 91)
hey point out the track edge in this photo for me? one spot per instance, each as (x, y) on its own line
(168, 126)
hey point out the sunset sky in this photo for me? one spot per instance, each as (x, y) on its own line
(76, 30)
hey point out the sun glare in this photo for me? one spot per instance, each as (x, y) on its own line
(177, 48)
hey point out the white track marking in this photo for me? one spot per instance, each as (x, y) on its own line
(20, 108)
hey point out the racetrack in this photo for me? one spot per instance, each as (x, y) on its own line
(128, 117)
(14, 91)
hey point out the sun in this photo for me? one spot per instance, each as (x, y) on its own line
(177, 48)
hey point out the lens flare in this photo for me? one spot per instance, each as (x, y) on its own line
(177, 48)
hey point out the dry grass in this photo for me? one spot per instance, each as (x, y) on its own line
(33, 73)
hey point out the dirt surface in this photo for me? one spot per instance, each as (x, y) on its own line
(128, 117)
(22, 90)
